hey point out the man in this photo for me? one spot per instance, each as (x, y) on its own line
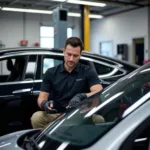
(68, 83)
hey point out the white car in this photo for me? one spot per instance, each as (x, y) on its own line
(117, 118)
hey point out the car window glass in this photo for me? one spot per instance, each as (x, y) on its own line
(139, 139)
(102, 69)
(50, 62)
(30, 68)
(12, 68)
(142, 141)
(85, 62)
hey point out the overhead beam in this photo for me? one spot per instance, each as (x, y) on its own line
(12, 3)
(37, 3)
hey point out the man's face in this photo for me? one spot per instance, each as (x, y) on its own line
(71, 56)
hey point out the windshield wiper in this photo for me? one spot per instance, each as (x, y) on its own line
(30, 144)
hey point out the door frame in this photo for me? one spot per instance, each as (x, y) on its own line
(140, 40)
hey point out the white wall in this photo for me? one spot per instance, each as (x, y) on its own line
(120, 29)
(14, 28)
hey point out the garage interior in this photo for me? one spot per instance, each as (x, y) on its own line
(116, 37)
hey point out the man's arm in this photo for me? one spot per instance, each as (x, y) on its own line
(43, 96)
(94, 89)
(94, 86)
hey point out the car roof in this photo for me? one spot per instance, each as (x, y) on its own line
(92, 55)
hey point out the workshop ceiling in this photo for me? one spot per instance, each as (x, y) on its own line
(112, 6)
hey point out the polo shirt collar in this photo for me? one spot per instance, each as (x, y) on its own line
(76, 69)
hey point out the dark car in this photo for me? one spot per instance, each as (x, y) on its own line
(22, 70)
(116, 118)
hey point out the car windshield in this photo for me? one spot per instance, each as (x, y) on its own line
(101, 112)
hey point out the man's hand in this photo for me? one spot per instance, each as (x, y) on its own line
(76, 100)
(48, 106)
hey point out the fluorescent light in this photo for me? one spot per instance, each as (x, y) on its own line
(27, 10)
(95, 16)
(97, 4)
(86, 3)
(82, 2)
(70, 14)
(74, 14)
(90, 16)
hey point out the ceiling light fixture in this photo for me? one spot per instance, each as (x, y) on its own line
(70, 14)
(82, 2)
(95, 16)
(92, 16)
(86, 3)
(74, 14)
(27, 10)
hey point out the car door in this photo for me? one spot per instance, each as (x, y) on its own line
(16, 82)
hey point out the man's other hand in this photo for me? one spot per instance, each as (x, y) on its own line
(48, 106)
(76, 100)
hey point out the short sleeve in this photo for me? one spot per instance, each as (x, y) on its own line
(92, 77)
(47, 84)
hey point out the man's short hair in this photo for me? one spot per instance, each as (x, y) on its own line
(74, 42)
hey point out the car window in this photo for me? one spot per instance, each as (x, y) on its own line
(85, 62)
(102, 69)
(105, 70)
(49, 63)
(30, 68)
(12, 68)
(139, 139)
(142, 141)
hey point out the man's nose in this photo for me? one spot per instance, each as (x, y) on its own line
(71, 57)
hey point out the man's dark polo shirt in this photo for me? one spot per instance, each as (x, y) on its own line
(64, 85)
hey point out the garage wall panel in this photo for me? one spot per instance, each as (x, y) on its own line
(120, 28)
(32, 28)
(15, 26)
(11, 27)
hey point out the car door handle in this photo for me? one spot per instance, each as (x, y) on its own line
(22, 92)
(36, 93)
(105, 82)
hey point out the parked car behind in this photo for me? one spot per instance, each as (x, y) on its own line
(124, 105)
(22, 70)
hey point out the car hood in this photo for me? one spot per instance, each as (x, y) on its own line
(9, 141)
